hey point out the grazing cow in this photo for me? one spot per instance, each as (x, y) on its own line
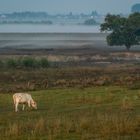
(23, 98)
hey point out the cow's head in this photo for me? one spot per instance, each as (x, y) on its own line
(34, 104)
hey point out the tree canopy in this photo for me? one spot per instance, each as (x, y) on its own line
(123, 30)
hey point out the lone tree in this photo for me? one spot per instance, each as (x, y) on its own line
(123, 31)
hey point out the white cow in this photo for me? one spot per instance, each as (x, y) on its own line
(23, 98)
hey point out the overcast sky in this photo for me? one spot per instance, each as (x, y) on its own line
(65, 6)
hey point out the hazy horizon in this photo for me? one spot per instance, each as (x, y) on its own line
(65, 6)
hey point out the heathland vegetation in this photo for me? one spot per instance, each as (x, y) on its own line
(30, 77)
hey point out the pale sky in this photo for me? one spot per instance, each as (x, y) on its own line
(66, 6)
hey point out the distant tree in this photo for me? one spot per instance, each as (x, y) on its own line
(122, 30)
(135, 8)
(90, 22)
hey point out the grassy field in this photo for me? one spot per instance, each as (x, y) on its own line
(95, 113)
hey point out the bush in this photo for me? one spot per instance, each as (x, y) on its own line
(25, 62)
(44, 63)
(28, 62)
(11, 63)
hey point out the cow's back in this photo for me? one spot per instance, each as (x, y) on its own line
(22, 97)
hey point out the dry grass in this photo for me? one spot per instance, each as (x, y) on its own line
(127, 103)
(84, 127)
(13, 130)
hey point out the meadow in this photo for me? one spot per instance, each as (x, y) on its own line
(100, 113)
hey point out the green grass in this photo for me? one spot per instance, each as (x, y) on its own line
(101, 113)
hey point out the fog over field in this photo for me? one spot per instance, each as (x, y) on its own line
(56, 40)
(52, 40)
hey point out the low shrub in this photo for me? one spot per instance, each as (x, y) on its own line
(10, 63)
(44, 63)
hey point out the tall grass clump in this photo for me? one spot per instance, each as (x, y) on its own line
(40, 126)
(29, 62)
(13, 129)
(127, 103)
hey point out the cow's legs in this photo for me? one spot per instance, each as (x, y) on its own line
(16, 107)
(23, 107)
(29, 104)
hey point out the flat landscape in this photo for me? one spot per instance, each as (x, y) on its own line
(85, 89)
